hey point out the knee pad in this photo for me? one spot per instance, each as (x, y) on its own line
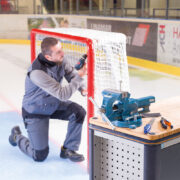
(41, 155)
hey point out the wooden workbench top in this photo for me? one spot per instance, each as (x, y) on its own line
(169, 109)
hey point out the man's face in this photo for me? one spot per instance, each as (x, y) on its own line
(57, 53)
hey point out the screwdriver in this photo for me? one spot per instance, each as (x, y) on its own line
(147, 127)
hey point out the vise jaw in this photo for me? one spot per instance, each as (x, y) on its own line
(122, 110)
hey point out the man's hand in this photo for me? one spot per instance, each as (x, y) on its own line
(83, 71)
(84, 92)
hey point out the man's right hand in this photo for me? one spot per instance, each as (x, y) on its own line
(83, 71)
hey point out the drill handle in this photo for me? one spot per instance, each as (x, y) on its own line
(81, 62)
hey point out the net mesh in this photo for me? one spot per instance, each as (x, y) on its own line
(110, 60)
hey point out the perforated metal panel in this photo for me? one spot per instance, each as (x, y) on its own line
(116, 158)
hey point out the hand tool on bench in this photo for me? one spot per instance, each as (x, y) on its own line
(147, 127)
(165, 123)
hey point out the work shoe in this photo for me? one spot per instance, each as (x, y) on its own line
(14, 132)
(72, 155)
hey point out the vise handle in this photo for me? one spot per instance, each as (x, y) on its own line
(102, 114)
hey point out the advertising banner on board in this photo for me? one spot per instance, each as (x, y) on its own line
(56, 22)
(141, 36)
(39, 22)
(169, 43)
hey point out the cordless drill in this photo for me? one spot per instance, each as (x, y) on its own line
(81, 62)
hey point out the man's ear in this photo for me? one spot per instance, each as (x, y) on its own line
(48, 57)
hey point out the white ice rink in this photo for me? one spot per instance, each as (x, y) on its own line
(14, 61)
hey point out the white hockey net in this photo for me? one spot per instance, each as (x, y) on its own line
(110, 60)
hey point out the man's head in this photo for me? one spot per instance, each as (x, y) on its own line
(51, 49)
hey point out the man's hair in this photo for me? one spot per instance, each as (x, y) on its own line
(46, 45)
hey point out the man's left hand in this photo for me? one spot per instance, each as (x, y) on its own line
(84, 92)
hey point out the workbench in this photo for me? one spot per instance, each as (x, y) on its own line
(129, 154)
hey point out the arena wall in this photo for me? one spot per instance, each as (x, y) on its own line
(157, 41)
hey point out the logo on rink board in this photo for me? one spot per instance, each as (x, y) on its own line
(162, 36)
(140, 35)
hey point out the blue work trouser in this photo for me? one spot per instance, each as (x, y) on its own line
(36, 146)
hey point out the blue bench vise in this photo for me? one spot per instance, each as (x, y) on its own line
(122, 110)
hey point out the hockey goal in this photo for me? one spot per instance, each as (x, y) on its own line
(106, 62)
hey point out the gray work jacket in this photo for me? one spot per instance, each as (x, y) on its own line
(43, 86)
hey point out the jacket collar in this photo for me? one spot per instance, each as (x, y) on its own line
(44, 61)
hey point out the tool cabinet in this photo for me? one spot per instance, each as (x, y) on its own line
(129, 154)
